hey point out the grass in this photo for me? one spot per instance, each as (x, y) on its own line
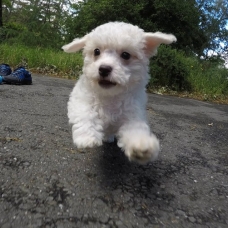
(207, 82)
(43, 61)
(201, 79)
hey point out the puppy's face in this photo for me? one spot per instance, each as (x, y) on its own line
(116, 56)
(113, 71)
(114, 61)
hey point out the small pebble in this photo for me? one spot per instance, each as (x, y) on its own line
(192, 219)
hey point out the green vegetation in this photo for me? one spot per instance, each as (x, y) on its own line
(180, 72)
(33, 32)
(42, 60)
(203, 79)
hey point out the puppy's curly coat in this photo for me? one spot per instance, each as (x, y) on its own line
(109, 98)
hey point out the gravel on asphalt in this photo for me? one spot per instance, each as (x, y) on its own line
(46, 182)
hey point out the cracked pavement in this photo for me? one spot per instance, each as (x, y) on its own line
(46, 182)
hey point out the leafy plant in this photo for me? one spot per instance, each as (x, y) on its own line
(170, 68)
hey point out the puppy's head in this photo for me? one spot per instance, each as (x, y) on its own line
(116, 56)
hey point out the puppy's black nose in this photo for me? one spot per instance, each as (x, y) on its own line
(104, 70)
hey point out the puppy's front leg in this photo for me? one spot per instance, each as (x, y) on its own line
(87, 127)
(138, 143)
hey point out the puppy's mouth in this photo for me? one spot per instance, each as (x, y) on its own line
(106, 83)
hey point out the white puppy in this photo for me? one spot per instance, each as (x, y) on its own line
(109, 98)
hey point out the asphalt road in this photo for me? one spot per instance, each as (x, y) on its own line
(46, 182)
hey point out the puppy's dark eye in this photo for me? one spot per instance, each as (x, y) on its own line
(125, 55)
(97, 52)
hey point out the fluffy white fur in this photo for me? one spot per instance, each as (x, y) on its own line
(108, 104)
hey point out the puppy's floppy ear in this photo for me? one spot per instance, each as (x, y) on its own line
(76, 45)
(153, 40)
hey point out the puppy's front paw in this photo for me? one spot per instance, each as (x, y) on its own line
(86, 141)
(143, 149)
